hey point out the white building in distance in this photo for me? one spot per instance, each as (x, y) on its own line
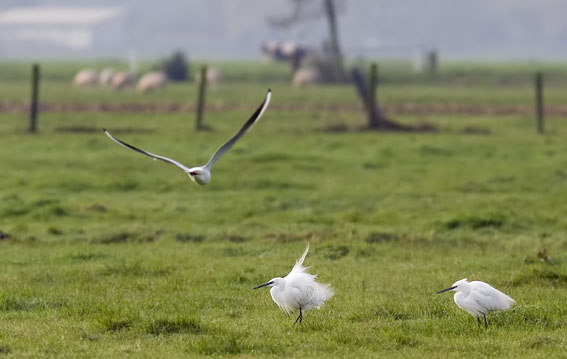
(61, 31)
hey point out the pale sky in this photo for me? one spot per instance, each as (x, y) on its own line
(480, 29)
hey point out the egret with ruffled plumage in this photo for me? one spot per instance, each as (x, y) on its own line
(298, 290)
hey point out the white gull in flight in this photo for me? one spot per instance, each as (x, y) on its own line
(202, 174)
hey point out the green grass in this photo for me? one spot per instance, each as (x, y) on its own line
(468, 83)
(110, 254)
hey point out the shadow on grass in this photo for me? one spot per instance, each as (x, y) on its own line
(136, 269)
(174, 326)
(16, 303)
(475, 223)
(188, 237)
(291, 237)
(539, 276)
(83, 257)
(232, 343)
(122, 237)
(115, 325)
(335, 252)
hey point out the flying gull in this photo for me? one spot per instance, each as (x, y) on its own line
(202, 174)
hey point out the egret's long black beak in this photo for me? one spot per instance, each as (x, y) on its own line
(264, 285)
(444, 290)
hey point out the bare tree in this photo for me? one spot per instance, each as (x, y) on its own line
(367, 91)
(305, 10)
(337, 56)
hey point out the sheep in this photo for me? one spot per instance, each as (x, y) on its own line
(306, 76)
(122, 79)
(85, 78)
(213, 77)
(105, 77)
(152, 81)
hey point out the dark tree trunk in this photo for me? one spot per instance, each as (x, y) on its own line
(336, 54)
(376, 118)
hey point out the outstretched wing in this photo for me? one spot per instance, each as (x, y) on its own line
(228, 144)
(154, 156)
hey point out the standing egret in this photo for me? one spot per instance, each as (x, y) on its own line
(298, 290)
(479, 298)
(202, 174)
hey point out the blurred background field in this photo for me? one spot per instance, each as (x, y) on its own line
(106, 253)
(121, 255)
(459, 83)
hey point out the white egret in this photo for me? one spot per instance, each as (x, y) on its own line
(202, 174)
(479, 298)
(298, 290)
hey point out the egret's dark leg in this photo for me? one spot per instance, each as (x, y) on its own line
(485, 322)
(300, 317)
(478, 320)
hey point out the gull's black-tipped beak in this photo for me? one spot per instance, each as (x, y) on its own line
(264, 285)
(444, 290)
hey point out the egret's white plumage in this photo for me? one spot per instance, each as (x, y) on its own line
(298, 289)
(479, 298)
(202, 174)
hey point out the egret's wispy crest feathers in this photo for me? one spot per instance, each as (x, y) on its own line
(299, 263)
(299, 289)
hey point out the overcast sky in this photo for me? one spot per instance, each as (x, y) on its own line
(459, 29)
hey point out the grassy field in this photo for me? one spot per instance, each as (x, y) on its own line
(109, 254)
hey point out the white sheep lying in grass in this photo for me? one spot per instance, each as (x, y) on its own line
(306, 76)
(152, 81)
(85, 78)
(121, 80)
(105, 77)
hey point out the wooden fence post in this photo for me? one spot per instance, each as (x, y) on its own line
(372, 91)
(201, 99)
(432, 62)
(34, 98)
(539, 102)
